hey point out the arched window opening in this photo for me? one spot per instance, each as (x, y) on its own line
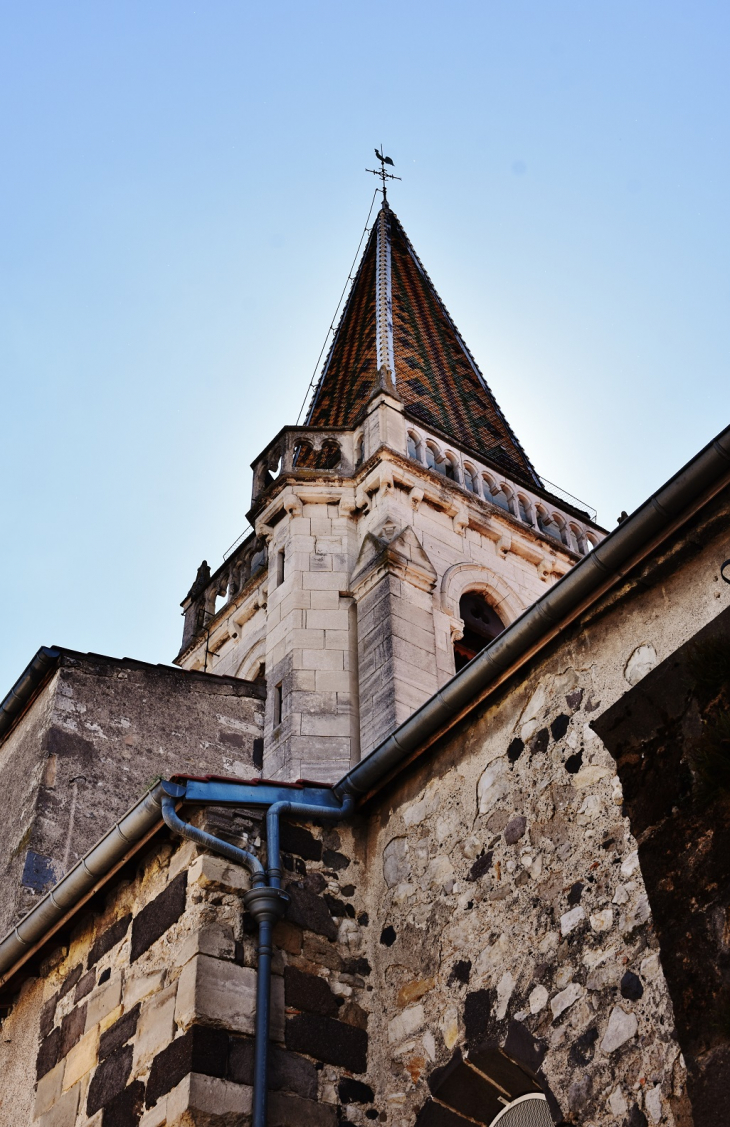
(524, 510)
(260, 678)
(360, 450)
(303, 457)
(548, 524)
(432, 457)
(481, 625)
(450, 468)
(471, 479)
(413, 447)
(499, 497)
(329, 455)
(590, 543)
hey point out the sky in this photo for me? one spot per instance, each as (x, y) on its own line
(183, 190)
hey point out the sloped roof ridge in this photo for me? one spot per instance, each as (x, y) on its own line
(343, 316)
(463, 345)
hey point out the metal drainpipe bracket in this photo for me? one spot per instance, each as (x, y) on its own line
(266, 905)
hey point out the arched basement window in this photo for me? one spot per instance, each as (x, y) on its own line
(481, 625)
(530, 1110)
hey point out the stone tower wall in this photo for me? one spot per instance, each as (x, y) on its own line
(95, 738)
(360, 631)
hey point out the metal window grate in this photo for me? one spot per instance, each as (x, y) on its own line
(526, 1111)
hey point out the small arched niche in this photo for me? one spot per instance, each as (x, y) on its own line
(481, 625)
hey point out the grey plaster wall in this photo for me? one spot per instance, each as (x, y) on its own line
(95, 738)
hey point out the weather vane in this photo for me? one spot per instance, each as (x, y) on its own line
(382, 173)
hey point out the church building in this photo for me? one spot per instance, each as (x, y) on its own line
(428, 824)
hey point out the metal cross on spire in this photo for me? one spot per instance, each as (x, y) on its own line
(382, 173)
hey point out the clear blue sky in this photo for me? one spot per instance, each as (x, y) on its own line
(182, 192)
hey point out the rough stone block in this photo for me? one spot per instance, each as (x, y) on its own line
(72, 1029)
(293, 1111)
(125, 1109)
(104, 999)
(119, 1033)
(63, 1112)
(156, 1026)
(109, 1079)
(109, 938)
(70, 981)
(156, 1116)
(207, 1096)
(49, 1089)
(328, 1040)
(287, 1071)
(84, 986)
(157, 916)
(202, 1049)
(208, 870)
(320, 725)
(81, 1059)
(310, 912)
(48, 1016)
(216, 940)
(137, 986)
(298, 840)
(222, 993)
(49, 1053)
(308, 992)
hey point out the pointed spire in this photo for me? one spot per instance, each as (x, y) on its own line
(394, 320)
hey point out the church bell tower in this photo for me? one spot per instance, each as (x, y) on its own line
(394, 534)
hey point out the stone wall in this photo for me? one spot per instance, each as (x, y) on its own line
(669, 735)
(93, 740)
(145, 1014)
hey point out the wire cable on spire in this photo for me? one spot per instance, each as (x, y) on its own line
(350, 276)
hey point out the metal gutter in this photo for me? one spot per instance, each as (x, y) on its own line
(604, 565)
(130, 829)
(26, 686)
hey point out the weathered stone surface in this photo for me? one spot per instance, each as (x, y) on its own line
(621, 1028)
(156, 1026)
(49, 1088)
(566, 998)
(308, 992)
(208, 1099)
(631, 987)
(310, 912)
(125, 1109)
(119, 1033)
(47, 1016)
(293, 1111)
(103, 1000)
(84, 986)
(109, 1079)
(82, 1058)
(353, 1091)
(63, 1112)
(221, 993)
(515, 829)
(109, 938)
(328, 1040)
(202, 1050)
(294, 838)
(70, 981)
(287, 1071)
(72, 1029)
(477, 1015)
(49, 1053)
(157, 916)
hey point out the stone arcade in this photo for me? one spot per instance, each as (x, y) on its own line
(523, 921)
